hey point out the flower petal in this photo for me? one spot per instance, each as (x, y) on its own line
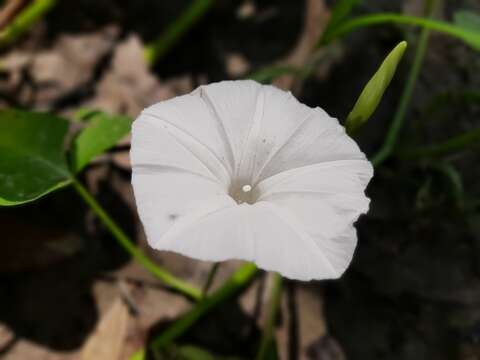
(262, 233)
(238, 106)
(305, 176)
(191, 122)
(326, 199)
(166, 196)
(295, 135)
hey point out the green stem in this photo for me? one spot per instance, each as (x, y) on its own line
(133, 250)
(470, 37)
(457, 143)
(273, 307)
(155, 50)
(211, 276)
(24, 21)
(235, 283)
(391, 139)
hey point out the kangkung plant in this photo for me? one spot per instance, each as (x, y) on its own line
(233, 170)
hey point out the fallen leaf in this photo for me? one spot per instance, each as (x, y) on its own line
(106, 342)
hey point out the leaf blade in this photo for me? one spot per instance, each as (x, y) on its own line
(104, 131)
(32, 158)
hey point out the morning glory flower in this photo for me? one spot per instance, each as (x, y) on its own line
(240, 170)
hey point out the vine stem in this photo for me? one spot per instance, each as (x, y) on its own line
(211, 276)
(235, 283)
(167, 278)
(459, 142)
(24, 20)
(155, 50)
(273, 307)
(391, 139)
(470, 37)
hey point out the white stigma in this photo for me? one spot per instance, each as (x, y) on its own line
(246, 188)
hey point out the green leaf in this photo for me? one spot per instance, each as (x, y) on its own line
(272, 350)
(85, 114)
(467, 20)
(103, 132)
(469, 36)
(267, 74)
(465, 141)
(190, 352)
(32, 158)
(341, 10)
(372, 93)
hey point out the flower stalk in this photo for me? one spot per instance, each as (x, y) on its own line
(405, 100)
(155, 50)
(273, 307)
(167, 278)
(235, 283)
(211, 276)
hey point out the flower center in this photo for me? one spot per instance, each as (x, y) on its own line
(242, 193)
(246, 188)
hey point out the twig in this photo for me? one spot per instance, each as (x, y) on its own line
(315, 19)
(24, 21)
(9, 10)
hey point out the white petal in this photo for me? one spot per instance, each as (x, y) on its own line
(192, 123)
(294, 135)
(238, 106)
(262, 233)
(306, 174)
(167, 196)
(326, 199)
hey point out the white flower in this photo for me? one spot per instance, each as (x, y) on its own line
(239, 170)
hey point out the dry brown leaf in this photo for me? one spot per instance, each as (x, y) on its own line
(106, 342)
(316, 18)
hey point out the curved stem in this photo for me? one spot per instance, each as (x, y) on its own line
(273, 307)
(167, 278)
(167, 39)
(211, 276)
(387, 148)
(235, 283)
(470, 37)
(457, 143)
(24, 21)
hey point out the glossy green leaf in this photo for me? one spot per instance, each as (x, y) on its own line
(103, 132)
(373, 92)
(32, 158)
(467, 20)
